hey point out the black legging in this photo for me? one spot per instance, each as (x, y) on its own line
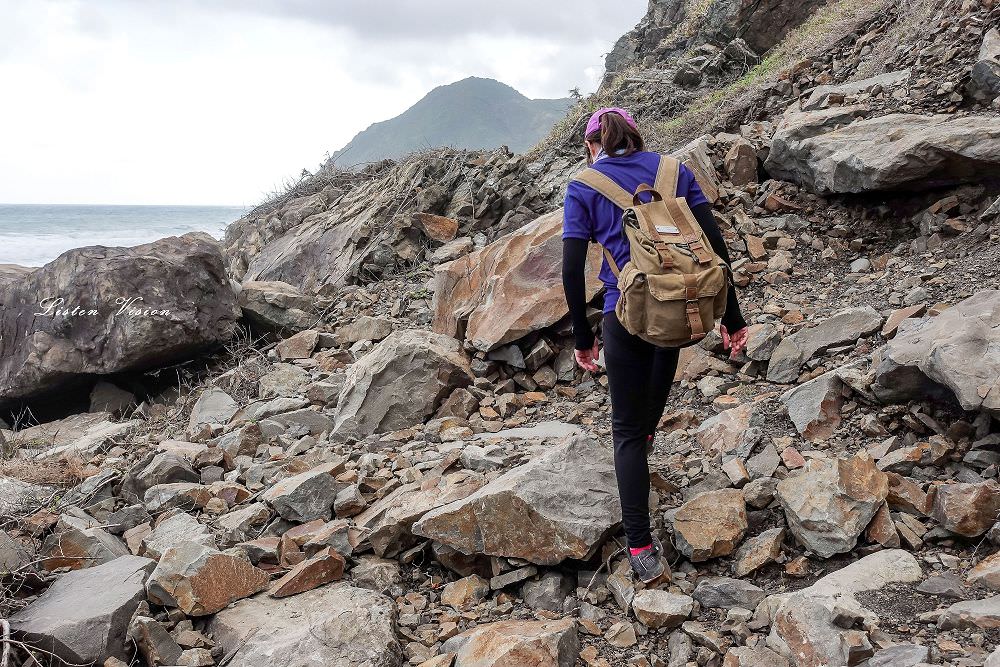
(639, 379)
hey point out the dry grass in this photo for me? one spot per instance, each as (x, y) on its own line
(813, 38)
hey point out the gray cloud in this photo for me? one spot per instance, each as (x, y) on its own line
(431, 20)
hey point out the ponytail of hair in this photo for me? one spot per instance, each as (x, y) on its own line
(616, 136)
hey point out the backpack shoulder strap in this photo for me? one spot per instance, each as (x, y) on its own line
(616, 193)
(666, 176)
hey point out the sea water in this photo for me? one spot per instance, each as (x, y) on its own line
(32, 235)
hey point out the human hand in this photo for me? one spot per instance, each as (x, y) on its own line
(735, 342)
(587, 359)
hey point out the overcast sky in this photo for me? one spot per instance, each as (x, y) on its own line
(198, 102)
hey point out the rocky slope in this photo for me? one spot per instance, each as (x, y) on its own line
(413, 471)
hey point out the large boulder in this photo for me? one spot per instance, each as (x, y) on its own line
(399, 383)
(332, 626)
(509, 288)
(97, 310)
(896, 151)
(83, 617)
(830, 503)
(514, 642)
(559, 505)
(843, 327)
(957, 352)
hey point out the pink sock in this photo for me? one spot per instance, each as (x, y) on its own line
(636, 552)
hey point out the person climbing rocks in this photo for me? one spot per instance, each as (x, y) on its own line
(639, 373)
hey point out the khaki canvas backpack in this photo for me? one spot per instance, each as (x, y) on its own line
(674, 286)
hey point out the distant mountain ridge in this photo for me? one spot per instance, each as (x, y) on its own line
(473, 113)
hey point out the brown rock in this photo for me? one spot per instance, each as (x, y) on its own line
(437, 227)
(75, 544)
(966, 509)
(758, 551)
(509, 288)
(830, 503)
(299, 346)
(758, 656)
(897, 316)
(882, 530)
(741, 163)
(906, 495)
(516, 643)
(465, 592)
(201, 581)
(724, 432)
(711, 524)
(987, 572)
(324, 567)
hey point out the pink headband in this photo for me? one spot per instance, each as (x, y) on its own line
(594, 124)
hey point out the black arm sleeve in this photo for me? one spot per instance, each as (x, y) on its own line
(733, 318)
(575, 285)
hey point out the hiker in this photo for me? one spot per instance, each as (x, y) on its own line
(639, 372)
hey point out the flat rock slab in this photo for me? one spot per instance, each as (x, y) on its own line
(957, 351)
(896, 151)
(557, 506)
(83, 617)
(331, 626)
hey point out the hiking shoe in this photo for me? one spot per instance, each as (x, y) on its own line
(647, 564)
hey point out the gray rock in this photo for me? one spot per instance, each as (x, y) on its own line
(83, 617)
(984, 84)
(308, 420)
(847, 326)
(181, 527)
(659, 609)
(283, 380)
(549, 592)
(364, 328)
(972, 614)
(214, 406)
(921, 151)
(814, 407)
(577, 504)
(242, 524)
(957, 352)
(275, 306)
(331, 626)
(820, 95)
(830, 503)
(901, 655)
(389, 520)
(399, 383)
(726, 593)
(58, 347)
(163, 468)
(307, 496)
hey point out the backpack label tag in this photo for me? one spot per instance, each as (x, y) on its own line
(667, 229)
